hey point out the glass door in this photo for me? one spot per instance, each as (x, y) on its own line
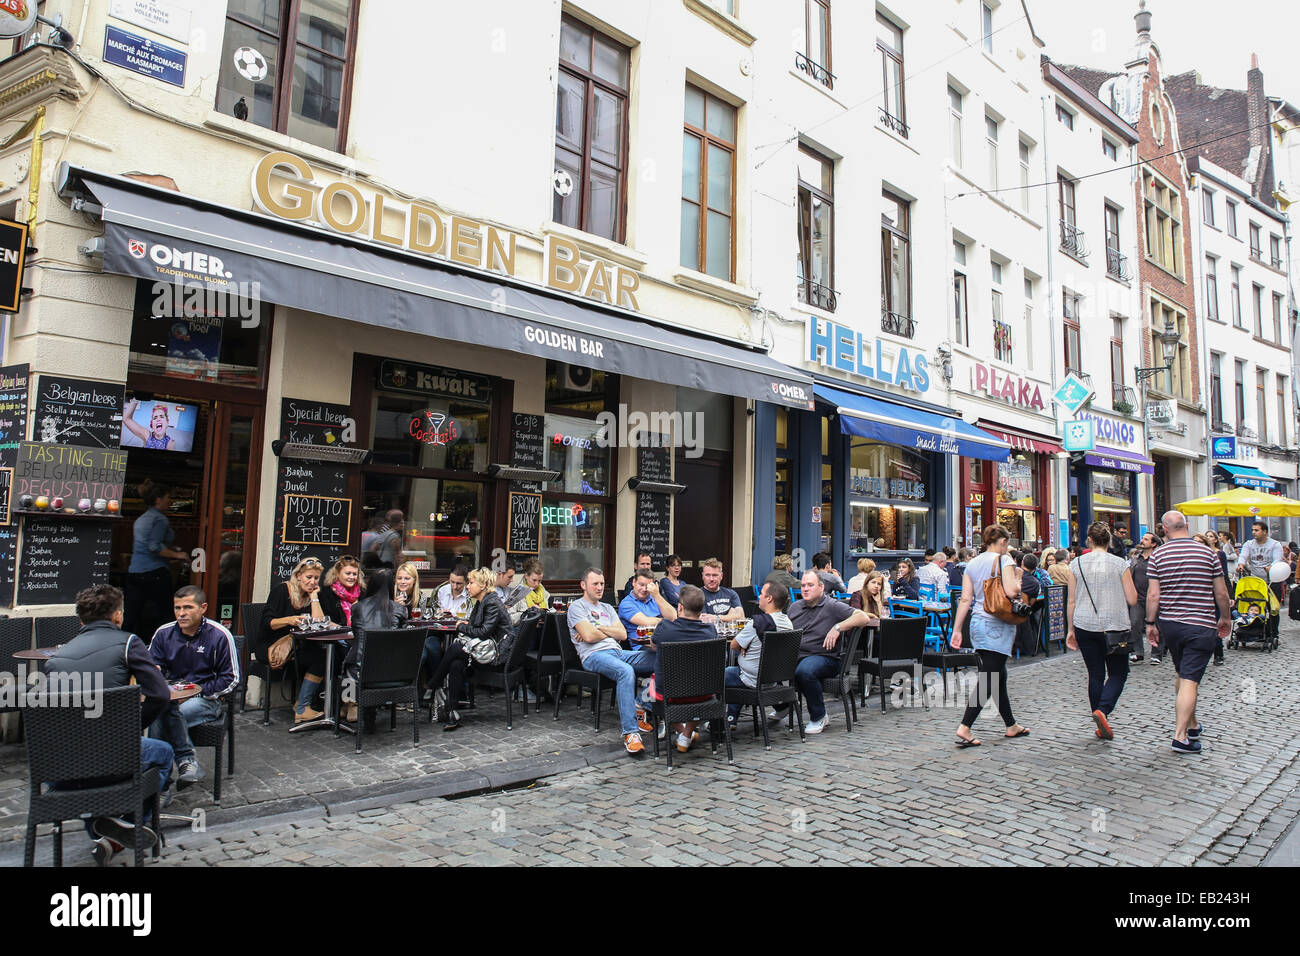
(229, 525)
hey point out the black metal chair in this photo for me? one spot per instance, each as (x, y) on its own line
(546, 659)
(511, 674)
(899, 648)
(840, 686)
(777, 658)
(751, 608)
(98, 756)
(746, 592)
(389, 673)
(51, 631)
(220, 733)
(15, 635)
(689, 670)
(949, 659)
(571, 672)
(251, 617)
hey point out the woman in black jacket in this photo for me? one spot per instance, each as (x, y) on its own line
(488, 620)
(287, 604)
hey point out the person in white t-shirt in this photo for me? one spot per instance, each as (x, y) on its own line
(772, 602)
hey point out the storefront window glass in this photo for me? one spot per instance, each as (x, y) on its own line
(898, 481)
(784, 499)
(573, 449)
(430, 432)
(1111, 502)
(442, 520)
(573, 537)
(208, 338)
(888, 528)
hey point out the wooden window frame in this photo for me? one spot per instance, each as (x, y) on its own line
(1071, 323)
(287, 43)
(805, 242)
(1239, 390)
(1212, 288)
(886, 292)
(1117, 352)
(1277, 318)
(590, 82)
(1065, 184)
(1257, 308)
(1230, 210)
(1255, 241)
(1261, 403)
(707, 139)
(808, 35)
(1282, 436)
(1216, 389)
(888, 53)
(1237, 321)
(1207, 207)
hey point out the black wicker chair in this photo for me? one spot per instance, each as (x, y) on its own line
(389, 674)
(899, 649)
(777, 658)
(15, 635)
(546, 659)
(66, 747)
(840, 686)
(51, 631)
(511, 674)
(691, 669)
(571, 672)
(220, 733)
(251, 617)
(949, 659)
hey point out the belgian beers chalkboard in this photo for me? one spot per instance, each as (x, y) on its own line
(6, 489)
(59, 558)
(654, 512)
(525, 523)
(313, 514)
(13, 411)
(74, 411)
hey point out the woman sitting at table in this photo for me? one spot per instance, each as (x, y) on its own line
(535, 596)
(286, 606)
(489, 621)
(376, 611)
(909, 585)
(406, 586)
(670, 585)
(346, 581)
(874, 601)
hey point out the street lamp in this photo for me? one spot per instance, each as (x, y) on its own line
(1169, 338)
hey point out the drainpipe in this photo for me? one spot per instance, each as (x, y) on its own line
(1202, 331)
(1061, 484)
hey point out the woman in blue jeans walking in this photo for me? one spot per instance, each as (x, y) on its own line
(1101, 591)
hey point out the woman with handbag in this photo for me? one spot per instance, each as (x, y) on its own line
(286, 606)
(1100, 628)
(478, 640)
(989, 586)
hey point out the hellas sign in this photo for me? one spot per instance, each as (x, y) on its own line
(285, 185)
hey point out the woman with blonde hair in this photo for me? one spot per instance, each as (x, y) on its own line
(859, 580)
(346, 580)
(488, 621)
(288, 603)
(406, 585)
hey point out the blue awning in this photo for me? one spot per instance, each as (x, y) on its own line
(911, 427)
(1244, 476)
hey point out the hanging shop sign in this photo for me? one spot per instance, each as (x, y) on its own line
(1013, 389)
(141, 55)
(398, 376)
(841, 348)
(1160, 414)
(13, 254)
(17, 17)
(433, 427)
(285, 186)
(1223, 447)
(1079, 436)
(1074, 393)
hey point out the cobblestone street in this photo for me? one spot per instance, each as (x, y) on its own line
(895, 790)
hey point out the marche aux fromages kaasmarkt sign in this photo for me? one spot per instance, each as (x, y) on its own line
(286, 186)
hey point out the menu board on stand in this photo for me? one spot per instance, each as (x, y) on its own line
(312, 508)
(74, 411)
(527, 450)
(654, 510)
(14, 380)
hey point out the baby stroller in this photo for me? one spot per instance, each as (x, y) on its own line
(1258, 615)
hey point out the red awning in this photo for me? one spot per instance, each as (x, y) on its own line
(1022, 441)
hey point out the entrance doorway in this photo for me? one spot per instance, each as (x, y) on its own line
(214, 477)
(702, 514)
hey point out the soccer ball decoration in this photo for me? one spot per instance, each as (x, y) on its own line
(563, 182)
(250, 64)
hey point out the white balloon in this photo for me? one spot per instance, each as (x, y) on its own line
(1279, 571)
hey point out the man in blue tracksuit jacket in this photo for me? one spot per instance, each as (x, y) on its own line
(193, 650)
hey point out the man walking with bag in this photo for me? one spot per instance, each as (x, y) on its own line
(1187, 606)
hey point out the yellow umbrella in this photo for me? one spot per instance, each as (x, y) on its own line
(1241, 503)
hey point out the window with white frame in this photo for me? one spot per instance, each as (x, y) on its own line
(955, 99)
(1212, 288)
(1024, 176)
(986, 25)
(991, 144)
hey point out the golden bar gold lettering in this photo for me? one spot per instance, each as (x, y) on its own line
(377, 225)
(597, 284)
(265, 196)
(466, 244)
(418, 213)
(500, 252)
(628, 283)
(562, 264)
(357, 216)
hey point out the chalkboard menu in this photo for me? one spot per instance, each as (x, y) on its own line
(6, 490)
(84, 478)
(59, 558)
(1055, 619)
(300, 480)
(8, 554)
(654, 513)
(74, 411)
(525, 523)
(527, 448)
(13, 410)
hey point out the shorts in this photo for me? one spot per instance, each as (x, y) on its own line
(1190, 645)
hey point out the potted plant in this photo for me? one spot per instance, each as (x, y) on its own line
(1123, 408)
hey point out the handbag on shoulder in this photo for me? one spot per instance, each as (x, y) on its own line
(1117, 642)
(999, 604)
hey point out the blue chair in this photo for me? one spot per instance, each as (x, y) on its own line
(928, 592)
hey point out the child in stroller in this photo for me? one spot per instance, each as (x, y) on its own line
(1255, 616)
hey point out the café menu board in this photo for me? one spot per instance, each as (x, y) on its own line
(82, 477)
(13, 411)
(298, 480)
(1055, 613)
(61, 557)
(8, 564)
(73, 411)
(525, 523)
(654, 514)
(527, 448)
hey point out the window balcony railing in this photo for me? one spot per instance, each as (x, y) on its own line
(818, 72)
(1123, 399)
(1080, 375)
(1073, 241)
(1275, 262)
(1257, 255)
(816, 294)
(1117, 265)
(1245, 431)
(897, 324)
(890, 121)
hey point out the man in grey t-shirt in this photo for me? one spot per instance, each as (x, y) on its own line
(1258, 554)
(823, 620)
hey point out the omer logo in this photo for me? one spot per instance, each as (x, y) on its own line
(74, 909)
(136, 248)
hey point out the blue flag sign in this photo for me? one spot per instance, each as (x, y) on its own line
(1079, 435)
(144, 56)
(1074, 393)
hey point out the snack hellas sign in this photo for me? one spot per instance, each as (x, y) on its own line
(286, 186)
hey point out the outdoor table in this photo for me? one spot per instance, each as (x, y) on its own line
(330, 637)
(182, 692)
(39, 654)
(941, 611)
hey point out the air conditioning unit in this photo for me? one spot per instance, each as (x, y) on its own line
(577, 378)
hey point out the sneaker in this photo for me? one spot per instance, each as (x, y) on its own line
(632, 744)
(684, 743)
(817, 726)
(1218, 662)
(451, 721)
(1188, 746)
(427, 697)
(121, 833)
(1135, 658)
(1194, 733)
(643, 721)
(775, 716)
(732, 722)
(1103, 726)
(165, 798)
(1155, 660)
(189, 773)
(102, 851)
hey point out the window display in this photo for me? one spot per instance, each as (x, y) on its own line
(896, 479)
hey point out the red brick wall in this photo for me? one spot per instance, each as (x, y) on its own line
(1158, 156)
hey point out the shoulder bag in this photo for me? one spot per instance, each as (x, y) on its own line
(1117, 642)
(999, 604)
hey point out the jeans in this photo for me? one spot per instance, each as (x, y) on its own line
(173, 724)
(733, 680)
(992, 668)
(808, 677)
(432, 654)
(1106, 672)
(156, 756)
(621, 667)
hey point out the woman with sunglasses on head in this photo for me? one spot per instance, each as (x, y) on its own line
(286, 606)
(347, 582)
